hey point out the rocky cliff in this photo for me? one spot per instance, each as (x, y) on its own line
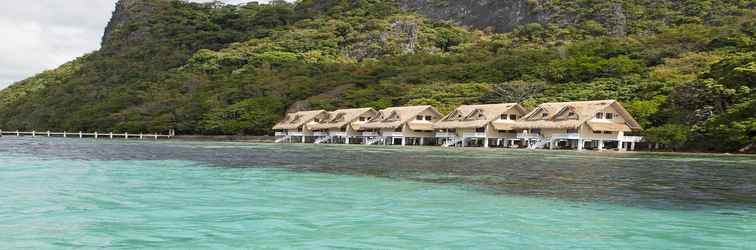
(127, 17)
(501, 15)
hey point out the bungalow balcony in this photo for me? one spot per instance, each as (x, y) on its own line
(506, 135)
(569, 136)
(529, 136)
(631, 138)
(338, 134)
(474, 135)
(393, 134)
(370, 134)
(296, 133)
(445, 135)
(603, 137)
(281, 134)
(320, 134)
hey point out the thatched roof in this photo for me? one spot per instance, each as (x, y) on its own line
(298, 119)
(420, 125)
(558, 115)
(503, 125)
(475, 116)
(547, 124)
(341, 118)
(397, 116)
(609, 126)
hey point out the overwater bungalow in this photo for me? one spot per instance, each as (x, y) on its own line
(341, 126)
(402, 126)
(293, 128)
(479, 125)
(579, 125)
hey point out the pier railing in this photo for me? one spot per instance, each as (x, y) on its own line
(474, 135)
(444, 135)
(529, 136)
(574, 136)
(370, 134)
(95, 135)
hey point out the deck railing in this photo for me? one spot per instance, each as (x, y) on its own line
(632, 138)
(393, 134)
(566, 136)
(339, 134)
(529, 136)
(474, 135)
(370, 134)
(444, 135)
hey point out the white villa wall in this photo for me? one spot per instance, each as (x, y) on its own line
(617, 117)
(304, 132)
(586, 133)
(491, 132)
(333, 131)
(387, 131)
(462, 131)
(407, 132)
(549, 132)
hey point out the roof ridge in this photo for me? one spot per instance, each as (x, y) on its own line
(574, 102)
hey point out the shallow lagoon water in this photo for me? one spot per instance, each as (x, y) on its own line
(59, 193)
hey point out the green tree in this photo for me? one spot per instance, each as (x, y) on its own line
(674, 136)
(514, 92)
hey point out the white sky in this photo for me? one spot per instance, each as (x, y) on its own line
(38, 35)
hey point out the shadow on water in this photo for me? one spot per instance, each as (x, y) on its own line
(679, 181)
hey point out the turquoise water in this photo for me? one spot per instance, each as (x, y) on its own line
(86, 194)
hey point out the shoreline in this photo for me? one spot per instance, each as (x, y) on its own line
(271, 140)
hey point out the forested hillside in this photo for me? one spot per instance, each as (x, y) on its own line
(686, 69)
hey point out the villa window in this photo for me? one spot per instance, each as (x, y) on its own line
(362, 119)
(419, 117)
(428, 118)
(480, 130)
(481, 116)
(609, 116)
(399, 129)
(343, 129)
(599, 115)
(299, 129)
(544, 115)
(571, 114)
(513, 117)
(607, 132)
(597, 132)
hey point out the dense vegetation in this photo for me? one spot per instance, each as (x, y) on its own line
(685, 69)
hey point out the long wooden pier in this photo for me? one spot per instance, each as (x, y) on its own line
(95, 135)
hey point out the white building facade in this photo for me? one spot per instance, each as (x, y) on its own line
(579, 125)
